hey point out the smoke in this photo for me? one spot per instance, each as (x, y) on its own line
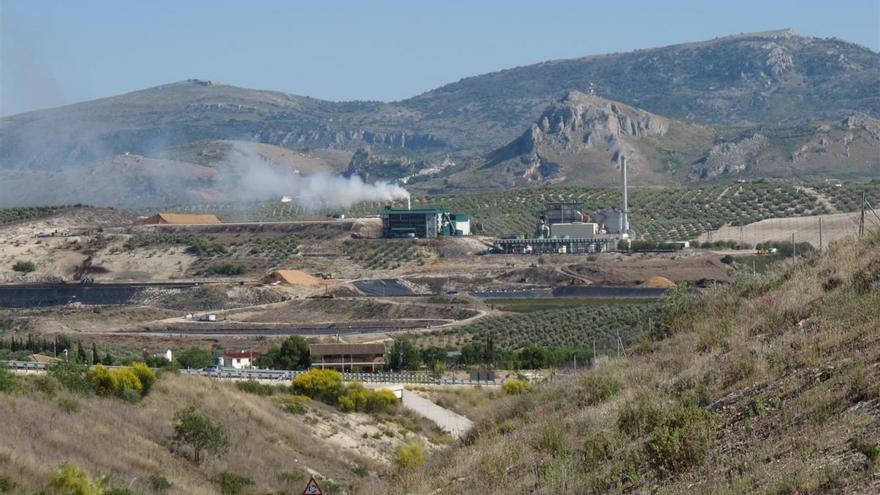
(247, 176)
(26, 82)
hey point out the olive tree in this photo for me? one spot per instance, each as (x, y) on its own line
(199, 432)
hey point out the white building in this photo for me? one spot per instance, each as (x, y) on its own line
(238, 360)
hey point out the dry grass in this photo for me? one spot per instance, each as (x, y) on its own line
(783, 366)
(130, 442)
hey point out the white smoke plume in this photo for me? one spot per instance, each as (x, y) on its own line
(249, 177)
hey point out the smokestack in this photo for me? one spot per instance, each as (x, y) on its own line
(624, 210)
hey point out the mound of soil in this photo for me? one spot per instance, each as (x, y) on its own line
(658, 282)
(633, 270)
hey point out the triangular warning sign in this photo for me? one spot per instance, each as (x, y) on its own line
(312, 488)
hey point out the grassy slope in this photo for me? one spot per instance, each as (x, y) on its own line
(783, 368)
(130, 442)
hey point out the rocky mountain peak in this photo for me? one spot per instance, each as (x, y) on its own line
(580, 124)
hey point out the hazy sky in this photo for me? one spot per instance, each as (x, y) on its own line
(58, 52)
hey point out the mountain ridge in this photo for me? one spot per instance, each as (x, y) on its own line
(734, 84)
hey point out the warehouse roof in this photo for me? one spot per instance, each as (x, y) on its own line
(414, 211)
(347, 349)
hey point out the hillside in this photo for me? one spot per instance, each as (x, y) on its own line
(768, 386)
(578, 138)
(773, 104)
(45, 426)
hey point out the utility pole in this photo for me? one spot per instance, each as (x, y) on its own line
(862, 217)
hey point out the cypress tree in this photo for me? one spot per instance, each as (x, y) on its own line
(81, 354)
(95, 358)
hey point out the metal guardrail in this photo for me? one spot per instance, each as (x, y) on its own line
(282, 375)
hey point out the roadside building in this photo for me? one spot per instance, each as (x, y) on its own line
(177, 219)
(238, 360)
(343, 357)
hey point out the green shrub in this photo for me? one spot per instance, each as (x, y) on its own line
(158, 483)
(232, 484)
(68, 405)
(257, 388)
(119, 382)
(229, 269)
(323, 385)
(682, 439)
(71, 375)
(294, 404)
(24, 266)
(8, 381)
(194, 358)
(410, 454)
(145, 375)
(638, 418)
(71, 480)
(7, 485)
(514, 386)
(353, 399)
(596, 388)
(549, 439)
(201, 433)
(379, 401)
(678, 312)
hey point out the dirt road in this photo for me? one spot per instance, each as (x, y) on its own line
(451, 422)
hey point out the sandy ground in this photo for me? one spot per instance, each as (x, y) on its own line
(634, 269)
(835, 226)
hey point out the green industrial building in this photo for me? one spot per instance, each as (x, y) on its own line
(424, 223)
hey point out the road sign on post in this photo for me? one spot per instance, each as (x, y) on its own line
(312, 488)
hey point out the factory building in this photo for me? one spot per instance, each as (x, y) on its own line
(564, 229)
(423, 223)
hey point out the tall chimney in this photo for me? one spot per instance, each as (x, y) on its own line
(624, 209)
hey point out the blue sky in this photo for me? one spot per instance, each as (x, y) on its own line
(58, 52)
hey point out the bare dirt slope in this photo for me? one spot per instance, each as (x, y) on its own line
(636, 269)
(834, 227)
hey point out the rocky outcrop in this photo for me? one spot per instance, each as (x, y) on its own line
(730, 157)
(371, 167)
(573, 126)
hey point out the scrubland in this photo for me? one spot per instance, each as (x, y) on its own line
(769, 386)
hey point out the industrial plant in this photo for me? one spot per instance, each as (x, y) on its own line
(564, 229)
(423, 223)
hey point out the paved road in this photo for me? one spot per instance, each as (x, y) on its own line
(452, 422)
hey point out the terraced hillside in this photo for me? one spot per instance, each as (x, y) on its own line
(576, 326)
(674, 213)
